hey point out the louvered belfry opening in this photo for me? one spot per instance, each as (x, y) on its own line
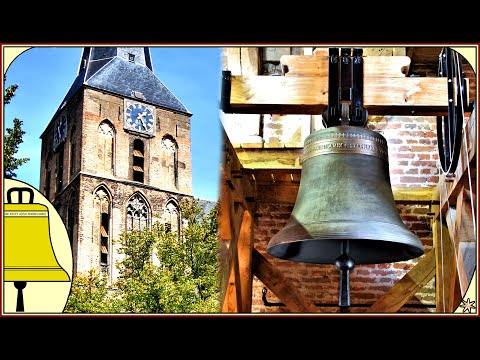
(138, 161)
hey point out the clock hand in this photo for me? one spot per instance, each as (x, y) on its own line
(140, 117)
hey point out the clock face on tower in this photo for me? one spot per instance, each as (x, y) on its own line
(60, 130)
(139, 117)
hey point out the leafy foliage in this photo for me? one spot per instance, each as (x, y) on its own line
(9, 93)
(161, 271)
(90, 294)
(12, 140)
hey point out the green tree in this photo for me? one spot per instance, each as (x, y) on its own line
(12, 139)
(9, 92)
(90, 294)
(183, 279)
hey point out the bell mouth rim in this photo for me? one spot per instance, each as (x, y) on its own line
(394, 242)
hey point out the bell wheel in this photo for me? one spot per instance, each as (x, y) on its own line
(449, 128)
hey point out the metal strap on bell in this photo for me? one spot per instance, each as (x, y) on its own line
(345, 203)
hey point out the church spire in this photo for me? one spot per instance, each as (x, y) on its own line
(94, 58)
(124, 71)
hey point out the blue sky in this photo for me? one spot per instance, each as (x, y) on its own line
(44, 75)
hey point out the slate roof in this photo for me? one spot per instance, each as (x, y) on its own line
(119, 76)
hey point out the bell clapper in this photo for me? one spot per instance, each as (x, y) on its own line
(344, 264)
(20, 285)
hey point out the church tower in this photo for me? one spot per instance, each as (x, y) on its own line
(116, 155)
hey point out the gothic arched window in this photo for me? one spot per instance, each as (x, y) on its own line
(172, 216)
(73, 153)
(71, 217)
(48, 174)
(105, 148)
(170, 158)
(138, 213)
(102, 202)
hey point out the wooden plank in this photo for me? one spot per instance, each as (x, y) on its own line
(406, 287)
(457, 277)
(232, 172)
(283, 193)
(445, 264)
(233, 60)
(243, 60)
(409, 53)
(280, 285)
(413, 194)
(374, 66)
(230, 301)
(224, 270)
(250, 60)
(459, 226)
(399, 51)
(245, 246)
(269, 158)
(309, 95)
(224, 221)
(233, 294)
(383, 51)
(439, 284)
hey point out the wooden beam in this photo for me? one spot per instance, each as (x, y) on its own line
(280, 285)
(250, 60)
(224, 220)
(460, 229)
(226, 234)
(447, 286)
(374, 66)
(309, 95)
(269, 158)
(406, 287)
(232, 301)
(233, 63)
(409, 53)
(417, 195)
(243, 60)
(281, 193)
(233, 174)
(245, 246)
(384, 51)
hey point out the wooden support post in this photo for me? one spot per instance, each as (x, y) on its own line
(446, 285)
(280, 286)
(245, 247)
(232, 301)
(236, 234)
(406, 287)
(462, 277)
(238, 297)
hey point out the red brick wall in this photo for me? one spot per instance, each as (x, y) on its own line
(413, 163)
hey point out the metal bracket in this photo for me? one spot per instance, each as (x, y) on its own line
(345, 89)
(226, 91)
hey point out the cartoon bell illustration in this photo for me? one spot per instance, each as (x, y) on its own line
(28, 252)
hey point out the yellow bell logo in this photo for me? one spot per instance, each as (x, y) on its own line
(30, 260)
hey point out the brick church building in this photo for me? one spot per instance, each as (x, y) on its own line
(116, 155)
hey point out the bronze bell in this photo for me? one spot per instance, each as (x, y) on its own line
(345, 213)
